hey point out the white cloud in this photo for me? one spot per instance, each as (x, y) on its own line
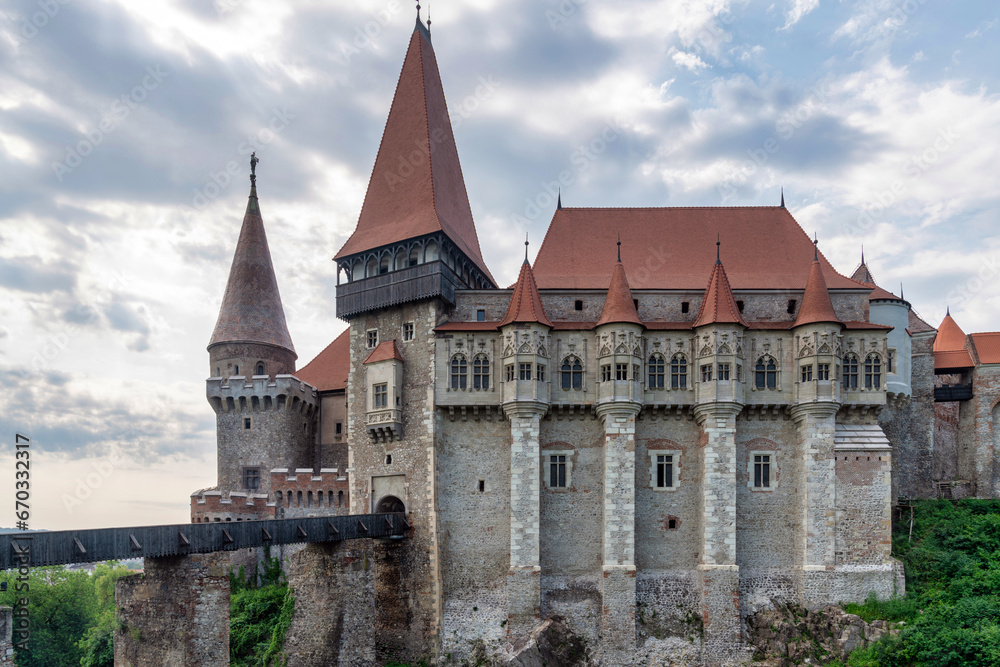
(798, 9)
(981, 29)
(688, 61)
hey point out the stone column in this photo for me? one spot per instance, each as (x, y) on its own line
(523, 577)
(618, 582)
(175, 613)
(816, 424)
(720, 573)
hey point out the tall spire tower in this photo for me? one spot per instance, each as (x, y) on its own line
(416, 211)
(250, 336)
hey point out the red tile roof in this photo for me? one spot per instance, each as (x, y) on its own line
(669, 248)
(918, 325)
(950, 336)
(816, 305)
(719, 306)
(251, 308)
(618, 304)
(952, 360)
(406, 200)
(525, 304)
(383, 352)
(987, 347)
(468, 326)
(328, 371)
(879, 293)
(854, 325)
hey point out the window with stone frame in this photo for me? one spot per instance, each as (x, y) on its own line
(260, 368)
(371, 339)
(807, 373)
(621, 371)
(247, 423)
(739, 372)
(606, 373)
(524, 371)
(459, 372)
(509, 372)
(481, 372)
(723, 373)
(557, 471)
(823, 372)
(656, 371)
(762, 470)
(873, 371)
(890, 357)
(540, 372)
(558, 468)
(664, 469)
(850, 372)
(380, 396)
(572, 373)
(706, 373)
(678, 372)
(407, 332)
(766, 373)
(251, 478)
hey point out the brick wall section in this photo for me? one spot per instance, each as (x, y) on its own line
(214, 505)
(175, 613)
(325, 494)
(334, 619)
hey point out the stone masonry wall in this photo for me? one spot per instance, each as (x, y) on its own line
(911, 427)
(304, 493)
(175, 613)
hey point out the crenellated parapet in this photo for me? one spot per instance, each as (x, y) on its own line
(285, 393)
(304, 492)
(213, 504)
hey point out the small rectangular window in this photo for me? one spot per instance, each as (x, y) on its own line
(408, 331)
(371, 339)
(482, 486)
(540, 372)
(889, 359)
(524, 371)
(723, 372)
(706, 373)
(251, 478)
(578, 305)
(762, 471)
(807, 373)
(480, 315)
(247, 422)
(339, 428)
(823, 371)
(557, 471)
(739, 305)
(380, 397)
(664, 471)
(509, 372)
(606, 373)
(621, 371)
(791, 306)
(739, 373)
(685, 306)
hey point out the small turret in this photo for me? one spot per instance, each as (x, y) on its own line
(619, 344)
(525, 329)
(250, 336)
(817, 328)
(719, 331)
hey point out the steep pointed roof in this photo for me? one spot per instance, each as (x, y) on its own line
(251, 307)
(329, 369)
(525, 303)
(950, 336)
(618, 304)
(719, 306)
(816, 305)
(416, 185)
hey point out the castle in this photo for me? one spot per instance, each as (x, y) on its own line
(674, 418)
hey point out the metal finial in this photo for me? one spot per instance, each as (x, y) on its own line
(428, 16)
(947, 311)
(862, 253)
(718, 249)
(619, 247)
(815, 247)
(782, 197)
(526, 247)
(418, 9)
(559, 200)
(901, 291)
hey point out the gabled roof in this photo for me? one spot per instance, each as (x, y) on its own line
(719, 306)
(384, 351)
(917, 324)
(669, 248)
(618, 304)
(407, 200)
(950, 336)
(329, 369)
(816, 305)
(987, 347)
(863, 274)
(525, 304)
(251, 307)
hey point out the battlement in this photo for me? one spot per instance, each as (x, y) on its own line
(261, 394)
(214, 505)
(301, 491)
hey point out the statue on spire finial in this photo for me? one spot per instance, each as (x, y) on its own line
(526, 247)
(253, 168)
(815, 247)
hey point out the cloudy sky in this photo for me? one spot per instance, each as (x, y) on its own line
(125, 129)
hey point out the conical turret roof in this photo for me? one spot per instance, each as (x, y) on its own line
(618, 305)
(416, 186)
(251, 307)
(950, 336)
(525, 303)
(816, 304)
(719, 305)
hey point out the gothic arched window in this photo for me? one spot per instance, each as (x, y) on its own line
(572, 373)
(459, 372)
(851, 372)
(873, 371)
(657, 368)
(766, 373)
(481, 372)
(679, 372)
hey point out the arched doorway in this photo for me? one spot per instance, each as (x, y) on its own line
(390, 505)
